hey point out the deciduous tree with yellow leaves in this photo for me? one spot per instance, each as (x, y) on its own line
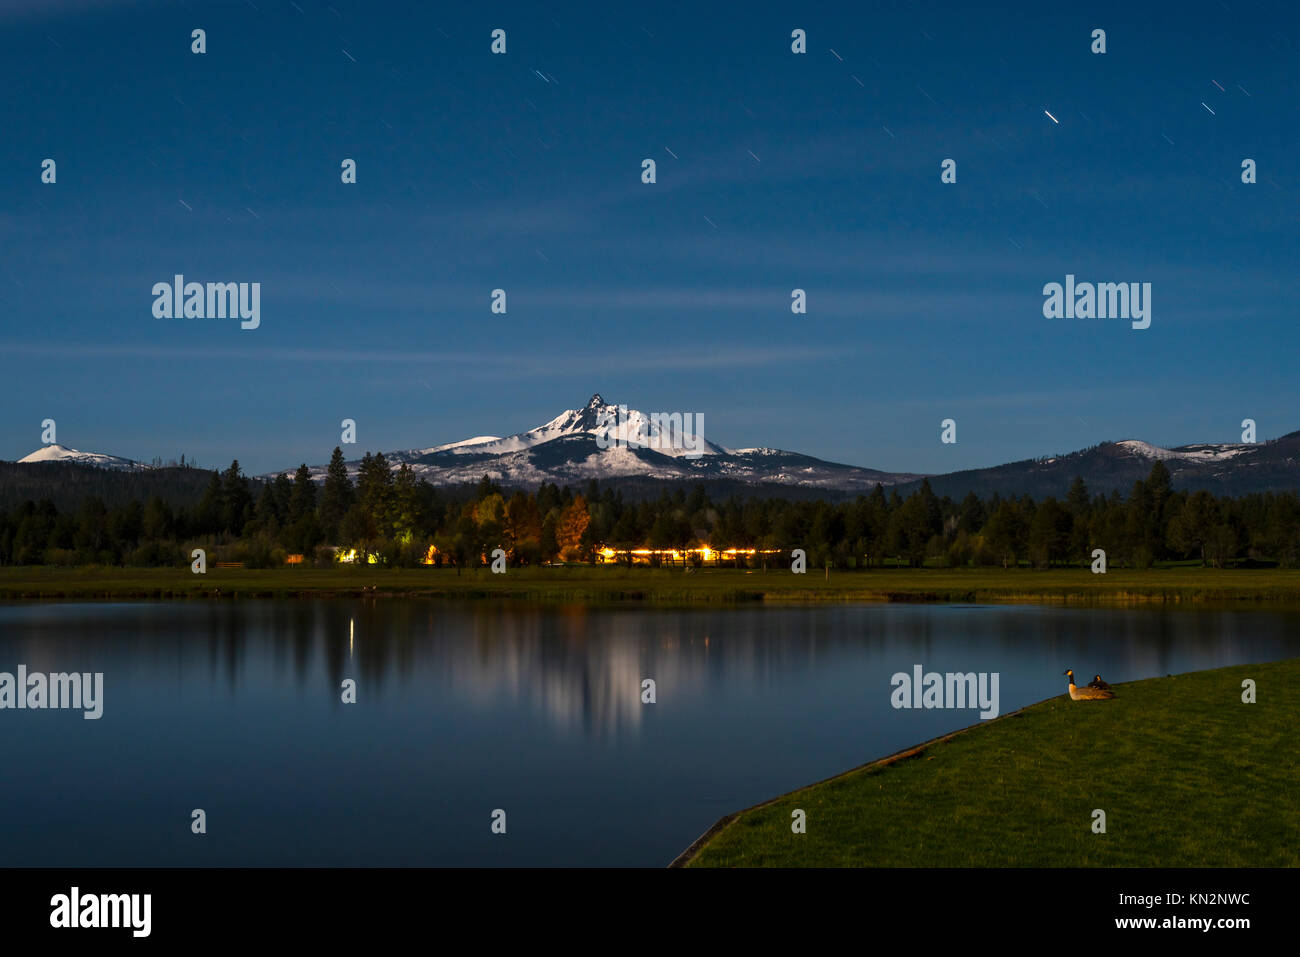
(573, 522)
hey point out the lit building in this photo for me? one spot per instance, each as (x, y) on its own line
(704, 554)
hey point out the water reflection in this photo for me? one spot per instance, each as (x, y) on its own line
(582, 668)
(465, 708)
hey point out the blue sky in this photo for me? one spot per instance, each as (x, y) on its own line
(522, 171)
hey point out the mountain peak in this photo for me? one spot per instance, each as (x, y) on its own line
(50, 453)
(62, 453)
(597, 401)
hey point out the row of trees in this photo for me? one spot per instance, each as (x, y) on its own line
(389, 514)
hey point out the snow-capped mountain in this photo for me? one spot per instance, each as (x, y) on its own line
(607, 423)
(1198, 454)
(61, 453)
(630, 448)
(607, 442)
(1229, 468)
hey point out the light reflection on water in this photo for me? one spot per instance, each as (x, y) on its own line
(235, 707)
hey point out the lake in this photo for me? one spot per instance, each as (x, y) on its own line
(235, 707)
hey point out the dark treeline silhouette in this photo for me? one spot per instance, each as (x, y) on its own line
(389, 517)
(68, 484)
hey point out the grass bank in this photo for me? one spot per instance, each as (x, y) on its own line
(1187, 774)
(671, 586)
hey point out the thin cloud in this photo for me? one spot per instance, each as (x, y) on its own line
(513, 364)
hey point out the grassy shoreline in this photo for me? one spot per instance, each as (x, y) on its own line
(1188, 775)
(1173, 585)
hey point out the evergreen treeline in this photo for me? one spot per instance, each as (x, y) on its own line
(389, 514)
(67, 484)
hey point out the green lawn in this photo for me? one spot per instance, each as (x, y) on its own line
(1187, 774)
(712, 585)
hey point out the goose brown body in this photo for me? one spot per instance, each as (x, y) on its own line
(1088, 692)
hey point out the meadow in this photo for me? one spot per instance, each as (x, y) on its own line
(1186, 773)
(587, 583)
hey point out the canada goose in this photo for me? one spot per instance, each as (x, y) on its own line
(1096, 682)
(1087, 692)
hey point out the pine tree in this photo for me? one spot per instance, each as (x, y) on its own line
(374, 485)
(487, 487)
(282, 488)
(210, 512)
(404, 510)
(266, 514)
(238, 501)
(302, 503)
(522, 523)
(1077, 499)
(336, 496)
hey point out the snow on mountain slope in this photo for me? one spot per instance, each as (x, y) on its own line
(461, 445)
(573, 459)
(661, 432)
(1185, 453)
(568, 449)
(61, 453)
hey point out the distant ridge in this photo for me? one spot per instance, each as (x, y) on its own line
(567, 450)
(1224, 469)
(61, 453)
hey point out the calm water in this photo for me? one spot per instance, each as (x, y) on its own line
(235, 708)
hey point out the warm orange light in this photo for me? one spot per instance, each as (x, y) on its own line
(705, 553)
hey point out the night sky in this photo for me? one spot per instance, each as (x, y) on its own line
(522, 171)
